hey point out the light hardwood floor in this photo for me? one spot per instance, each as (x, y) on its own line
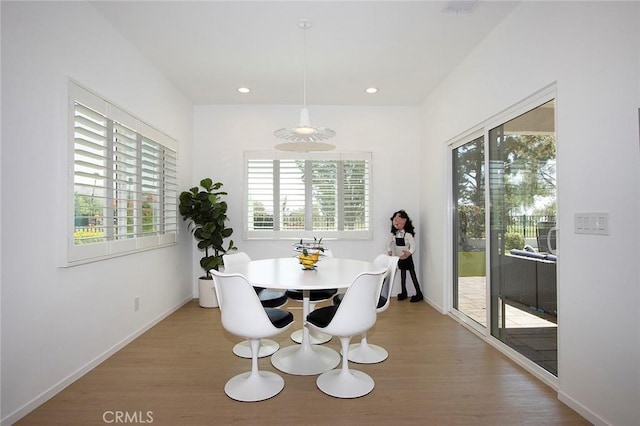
(437, 373)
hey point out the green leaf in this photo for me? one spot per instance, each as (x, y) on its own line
(206, 184)
(211, 262)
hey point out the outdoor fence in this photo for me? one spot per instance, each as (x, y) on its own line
(526, 225)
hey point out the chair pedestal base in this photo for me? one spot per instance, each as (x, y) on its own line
(343, 383)
(267, 347)
(366, 353)
(256, 386)
(315, 337)
(305, 359)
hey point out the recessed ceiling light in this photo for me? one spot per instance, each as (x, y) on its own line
(244, 90)
(372, 90)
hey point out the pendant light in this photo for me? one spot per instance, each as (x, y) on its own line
(304, 137)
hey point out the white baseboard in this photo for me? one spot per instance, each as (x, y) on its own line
(435, 306)
(62, 384)
(581, 409)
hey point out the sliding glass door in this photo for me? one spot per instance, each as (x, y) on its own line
(469, 271)
(509, 229)
(523, 259)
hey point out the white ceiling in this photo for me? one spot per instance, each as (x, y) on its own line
(210, 48)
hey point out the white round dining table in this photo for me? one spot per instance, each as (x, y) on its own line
(287, 274)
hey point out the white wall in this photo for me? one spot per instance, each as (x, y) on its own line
(223, 133)
(56, 323)
(59, 322)
(591, 49)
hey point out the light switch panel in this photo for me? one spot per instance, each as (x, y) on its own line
(591, 223)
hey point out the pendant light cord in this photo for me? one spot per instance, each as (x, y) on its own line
(304, 67)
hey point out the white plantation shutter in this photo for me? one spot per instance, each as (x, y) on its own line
(124, 182)
(152, 170)
(169, 192)
(90, 169)
(355, 195)
(294, 195)
(260, 191)
(324, 195)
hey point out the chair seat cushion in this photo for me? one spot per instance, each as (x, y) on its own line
(314, 295)
(279, 317)
(338, 298)
(322, 317)
(381, 302)
(271, 298)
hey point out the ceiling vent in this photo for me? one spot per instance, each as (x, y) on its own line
(460, 6)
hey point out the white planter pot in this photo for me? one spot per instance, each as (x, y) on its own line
(207, 293)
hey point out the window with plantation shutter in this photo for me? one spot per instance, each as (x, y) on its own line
(124, 182)
(295, 195)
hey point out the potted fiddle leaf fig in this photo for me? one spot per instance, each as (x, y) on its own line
(206, 212)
